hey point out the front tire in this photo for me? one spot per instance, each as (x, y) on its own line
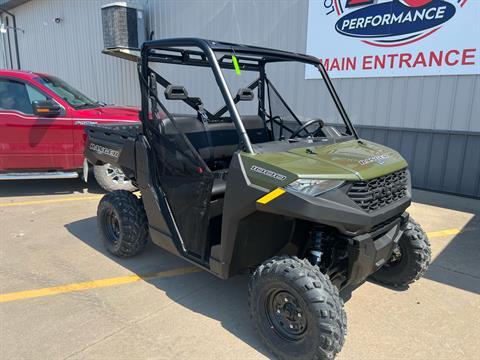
(410, 259)
(111, 178)
(122, 223)
(297, 311)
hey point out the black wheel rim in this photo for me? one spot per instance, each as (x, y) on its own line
(112, 226)
(285, 315)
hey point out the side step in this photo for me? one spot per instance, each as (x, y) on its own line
(39, 175)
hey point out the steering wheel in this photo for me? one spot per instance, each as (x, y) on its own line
(304, 127)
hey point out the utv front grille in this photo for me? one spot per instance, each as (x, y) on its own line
(376, 193)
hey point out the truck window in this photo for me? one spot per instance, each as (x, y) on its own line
(74, 97)
(35, 94)
(15, 95)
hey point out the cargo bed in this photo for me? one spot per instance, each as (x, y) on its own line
(113, 144)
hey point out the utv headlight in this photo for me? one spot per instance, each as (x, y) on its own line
(314, 187)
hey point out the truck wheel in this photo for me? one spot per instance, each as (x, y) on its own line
(111, 178)
(297, 311)
(122, 223)
(410, 258)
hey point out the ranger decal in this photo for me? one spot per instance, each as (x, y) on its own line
(99, 149)
(379, 159)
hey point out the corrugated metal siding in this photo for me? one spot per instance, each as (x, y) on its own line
(440, 103)
(439, 160)
(7, 40)
(3, 52)
(72, 48)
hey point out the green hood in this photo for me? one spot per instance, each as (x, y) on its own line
(349, 160)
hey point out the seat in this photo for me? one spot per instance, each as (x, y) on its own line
(218, 188)
(216, 200)
(22, 101)
(224, 141)
(223, 135)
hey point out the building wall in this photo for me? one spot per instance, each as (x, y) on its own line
(3, 54)
(72, 49)
(433, 121)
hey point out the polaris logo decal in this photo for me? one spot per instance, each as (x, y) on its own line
(268, 173)
(99, 149)
(393, 22)
(379, 159)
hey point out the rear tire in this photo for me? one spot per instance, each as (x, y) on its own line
(122, 223)
(297, 311)
(111, 178)
(410, 259)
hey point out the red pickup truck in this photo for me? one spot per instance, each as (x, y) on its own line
(41, 129)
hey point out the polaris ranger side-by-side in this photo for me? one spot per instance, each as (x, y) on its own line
(302, 203)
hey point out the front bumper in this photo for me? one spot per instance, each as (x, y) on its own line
(369, 252)
(334, 209)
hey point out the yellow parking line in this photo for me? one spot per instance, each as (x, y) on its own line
(29, 294)
(51, 201)
(446, 232)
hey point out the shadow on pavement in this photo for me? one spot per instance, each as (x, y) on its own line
(48, 187)
(458, 263)
(195, 292)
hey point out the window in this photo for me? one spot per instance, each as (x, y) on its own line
(35, 95)
(67, 93)
(15, 95)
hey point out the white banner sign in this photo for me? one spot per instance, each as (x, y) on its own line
(377, 38)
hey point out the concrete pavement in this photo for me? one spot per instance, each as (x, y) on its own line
(48, 238)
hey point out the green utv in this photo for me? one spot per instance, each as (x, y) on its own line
(301, 202)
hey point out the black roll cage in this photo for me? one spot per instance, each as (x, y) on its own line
(250, 58)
